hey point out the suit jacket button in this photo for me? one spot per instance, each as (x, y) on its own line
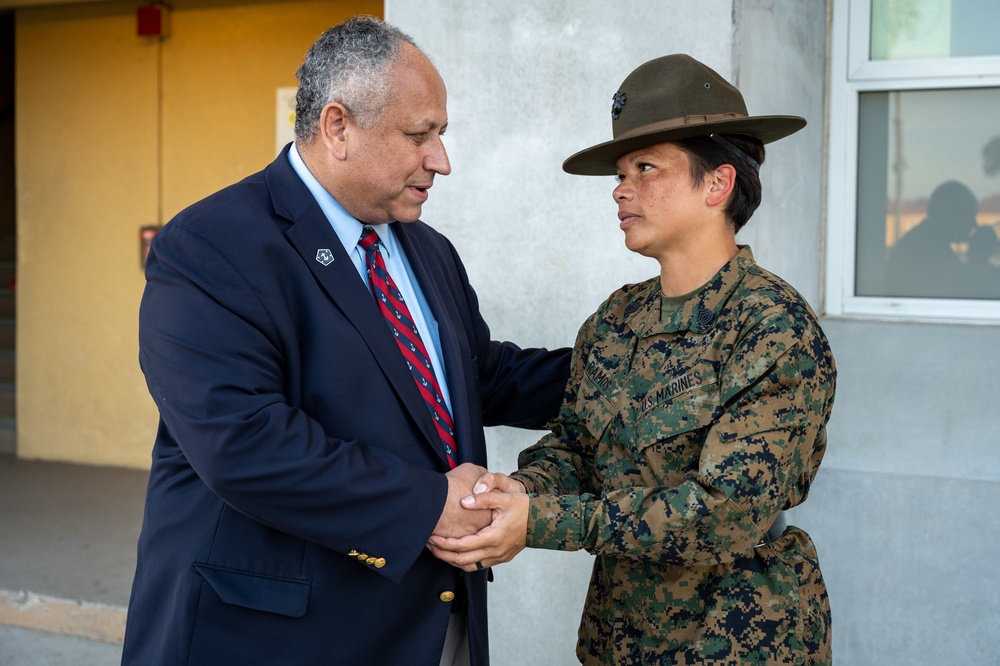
(352, 553)
(370, 561)
(379, 563)
(447, 596)
(362, 556)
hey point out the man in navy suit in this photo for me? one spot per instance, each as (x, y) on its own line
(299, 468)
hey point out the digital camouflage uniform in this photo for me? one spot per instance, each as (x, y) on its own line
(678, 443)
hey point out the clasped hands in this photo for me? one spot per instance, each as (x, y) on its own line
(484, 521)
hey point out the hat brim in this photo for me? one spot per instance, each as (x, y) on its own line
(602, 159)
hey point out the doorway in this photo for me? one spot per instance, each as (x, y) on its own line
(8, 239)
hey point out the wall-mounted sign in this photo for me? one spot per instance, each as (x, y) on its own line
(285, 119)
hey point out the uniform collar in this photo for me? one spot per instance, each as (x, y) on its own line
(698, 314)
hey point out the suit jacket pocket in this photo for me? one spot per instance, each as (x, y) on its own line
(283, 596)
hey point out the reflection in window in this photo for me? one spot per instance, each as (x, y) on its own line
(934, 28)
(929, 194)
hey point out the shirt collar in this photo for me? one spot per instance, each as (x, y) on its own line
(347, 227)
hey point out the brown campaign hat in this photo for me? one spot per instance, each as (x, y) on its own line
(674, 97)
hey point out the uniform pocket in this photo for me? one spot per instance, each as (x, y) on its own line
(664, 443)
(594, 408)
(683, 413)
(282, 596)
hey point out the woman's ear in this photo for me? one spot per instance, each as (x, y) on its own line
(720, 184)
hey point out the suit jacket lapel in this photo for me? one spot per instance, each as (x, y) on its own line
(455, 354)
(316, 243)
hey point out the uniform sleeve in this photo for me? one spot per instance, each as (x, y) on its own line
(562, 461)
(761, 450)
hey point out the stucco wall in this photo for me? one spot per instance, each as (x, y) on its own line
(97, 158)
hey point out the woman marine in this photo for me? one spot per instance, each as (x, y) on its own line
(695, 412)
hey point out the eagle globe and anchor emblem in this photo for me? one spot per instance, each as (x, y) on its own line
(617, 104)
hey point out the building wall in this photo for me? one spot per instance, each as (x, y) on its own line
(531, 83)
(115, 132)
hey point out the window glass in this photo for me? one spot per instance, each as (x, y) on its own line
(928, 218)
(934, 28)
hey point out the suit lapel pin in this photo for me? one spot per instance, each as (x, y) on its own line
(324, 256)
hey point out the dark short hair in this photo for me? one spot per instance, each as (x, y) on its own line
(705, 155)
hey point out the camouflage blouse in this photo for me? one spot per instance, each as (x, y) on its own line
(679, 441)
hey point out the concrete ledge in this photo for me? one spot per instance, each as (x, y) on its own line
(94, 621)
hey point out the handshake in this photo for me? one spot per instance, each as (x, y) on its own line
(484, 521)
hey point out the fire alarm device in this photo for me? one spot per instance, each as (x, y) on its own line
(151, 20)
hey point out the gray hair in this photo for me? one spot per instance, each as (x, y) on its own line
(349, 64)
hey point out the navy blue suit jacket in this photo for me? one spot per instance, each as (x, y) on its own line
(296, 473)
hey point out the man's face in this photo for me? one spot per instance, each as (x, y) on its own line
(393, 164)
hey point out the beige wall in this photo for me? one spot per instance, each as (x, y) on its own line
(115, 132)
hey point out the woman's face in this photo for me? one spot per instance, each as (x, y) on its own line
(659, 208)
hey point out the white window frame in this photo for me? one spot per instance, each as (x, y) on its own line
(851, 73)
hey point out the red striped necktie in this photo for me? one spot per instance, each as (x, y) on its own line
(397, 315)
